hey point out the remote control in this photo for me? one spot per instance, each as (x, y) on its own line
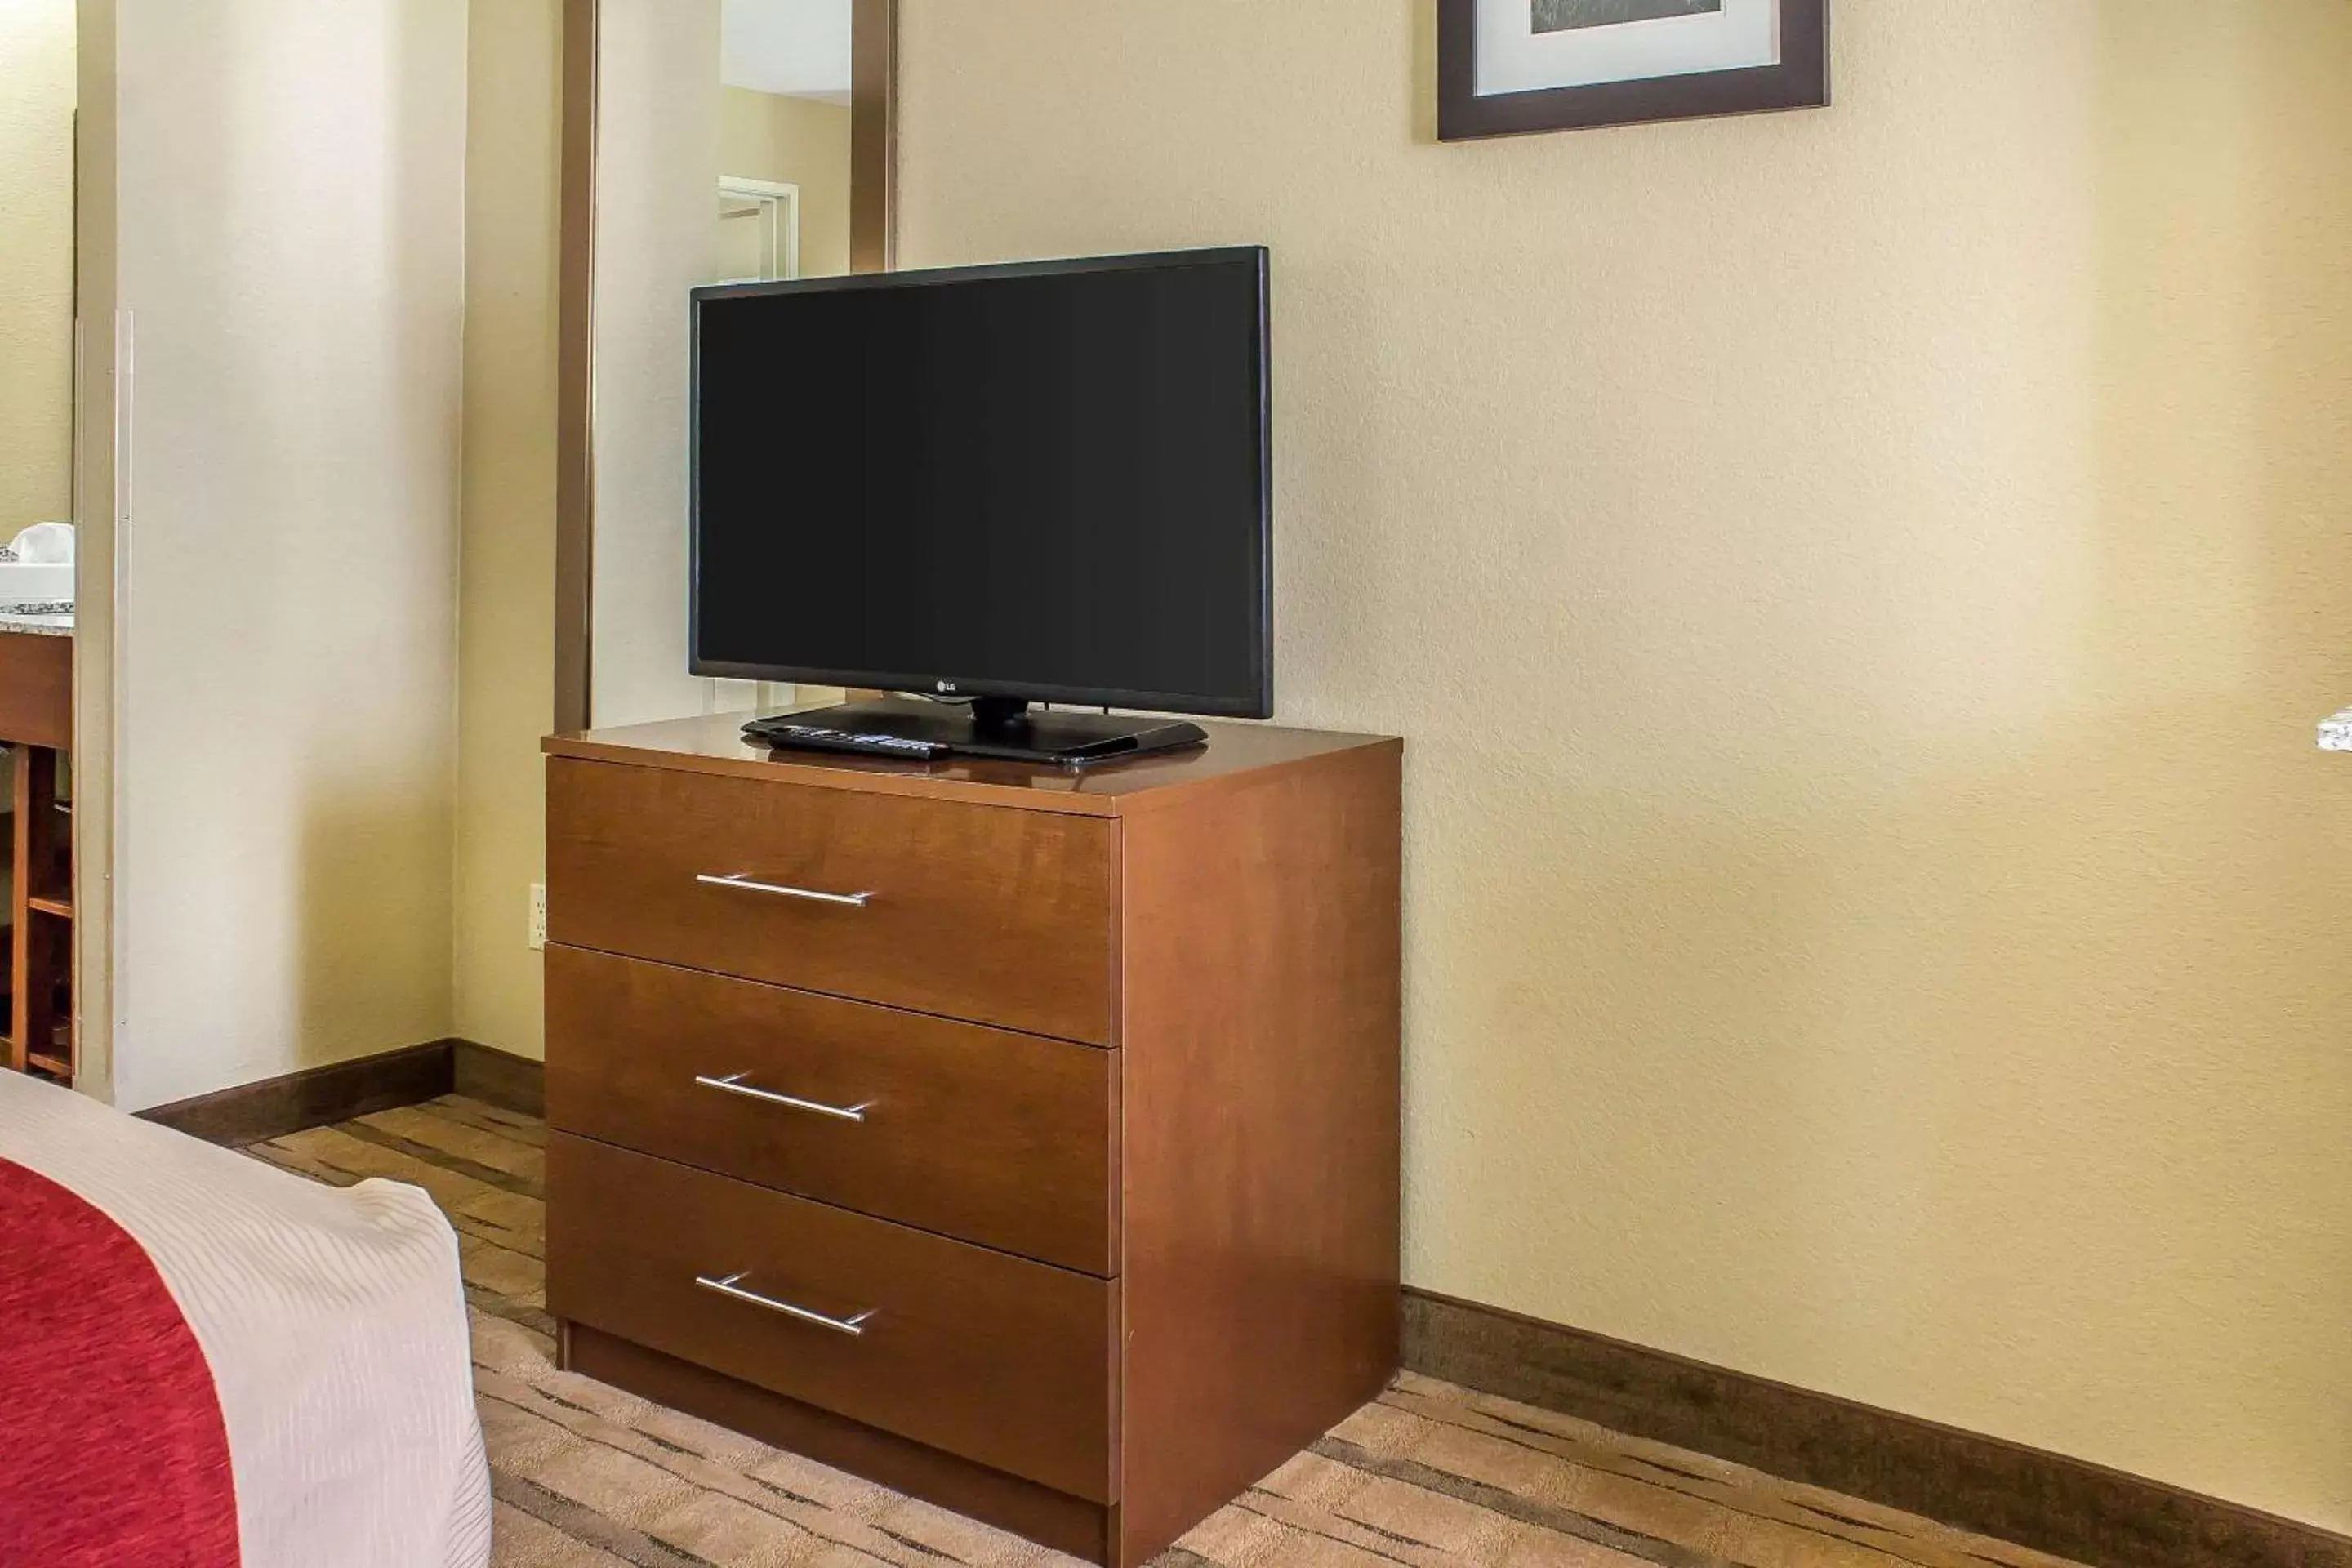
(811, 738)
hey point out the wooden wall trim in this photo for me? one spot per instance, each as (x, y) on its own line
(2067, 1507)
(316, 1096)
(874, 136)
(499, 1077)
(313, 1097)
(575, 400)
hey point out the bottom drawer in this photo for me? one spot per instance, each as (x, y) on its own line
(991, 1357)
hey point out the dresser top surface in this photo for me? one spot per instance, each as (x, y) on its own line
(714, 745)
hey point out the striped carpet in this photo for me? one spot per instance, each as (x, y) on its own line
(1428, 1475)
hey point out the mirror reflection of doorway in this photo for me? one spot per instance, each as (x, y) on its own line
(783, 138)
(758, 230)
(723, 136)
(783, 184)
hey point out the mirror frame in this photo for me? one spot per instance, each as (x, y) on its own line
(873, 225)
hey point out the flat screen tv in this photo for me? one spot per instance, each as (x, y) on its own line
(1040, 482)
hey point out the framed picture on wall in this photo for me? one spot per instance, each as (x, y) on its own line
(1506, 66)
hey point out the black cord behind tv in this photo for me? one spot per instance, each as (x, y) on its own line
(1047, 481)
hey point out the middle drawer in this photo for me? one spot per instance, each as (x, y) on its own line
(977, 1133)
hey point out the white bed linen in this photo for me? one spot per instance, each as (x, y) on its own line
(333, 1321)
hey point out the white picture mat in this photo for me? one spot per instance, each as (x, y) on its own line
(1512, 56)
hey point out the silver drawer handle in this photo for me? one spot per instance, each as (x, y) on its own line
(748, 884)
(733, 1084)
(852, 1326)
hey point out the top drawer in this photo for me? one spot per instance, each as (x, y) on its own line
(990, 913)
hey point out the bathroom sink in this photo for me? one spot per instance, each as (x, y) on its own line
(49, 583)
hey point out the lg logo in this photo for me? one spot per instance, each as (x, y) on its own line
(947, 686)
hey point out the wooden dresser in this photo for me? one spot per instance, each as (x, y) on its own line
(1021, 1139)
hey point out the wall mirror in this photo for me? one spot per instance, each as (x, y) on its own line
(705, 140)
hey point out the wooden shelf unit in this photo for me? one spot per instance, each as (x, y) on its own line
(36, 727)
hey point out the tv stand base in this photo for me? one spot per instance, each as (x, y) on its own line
(990, 727)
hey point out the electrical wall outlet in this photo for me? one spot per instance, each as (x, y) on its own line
(537, 916)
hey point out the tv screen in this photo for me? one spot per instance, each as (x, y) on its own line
(1047, 480)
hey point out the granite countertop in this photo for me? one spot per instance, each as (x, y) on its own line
(57, 623)
(2336, 732)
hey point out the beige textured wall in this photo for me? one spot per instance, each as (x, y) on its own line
(37, 261)
(1856, 586)
(291, 182)
(506, 563)
(802, 141)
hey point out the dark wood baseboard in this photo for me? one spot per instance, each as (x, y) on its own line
(499, 1077)
(1068, 1524)
(314, 1097)
(2048, 1501)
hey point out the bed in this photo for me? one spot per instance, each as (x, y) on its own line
(208, 1362)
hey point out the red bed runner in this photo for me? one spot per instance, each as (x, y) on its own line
(111, 1446)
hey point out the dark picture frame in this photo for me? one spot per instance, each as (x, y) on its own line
(1801, 81)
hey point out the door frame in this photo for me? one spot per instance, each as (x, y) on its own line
(784, 218)
(101, 492)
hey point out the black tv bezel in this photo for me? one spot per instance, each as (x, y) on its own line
(1258, 704)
